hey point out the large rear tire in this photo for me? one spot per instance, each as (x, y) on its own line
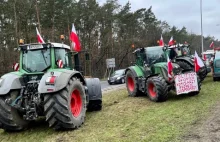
(202, 73)
(132, 85)
(184, 65)
(10, 118)
(157, 89)
(66, 109)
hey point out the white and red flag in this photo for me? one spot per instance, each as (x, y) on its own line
(211, 45)
(198, 62)
(60, 63)
(161, 43)
(39, 38)
(75, 40)
(171, 42)
(170, 68)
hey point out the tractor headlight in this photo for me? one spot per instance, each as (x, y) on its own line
(50, 80)
(118, 78)
(1, 81)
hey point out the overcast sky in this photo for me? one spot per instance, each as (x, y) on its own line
(183, 13)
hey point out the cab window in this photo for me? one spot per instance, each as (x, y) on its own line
(62, 54)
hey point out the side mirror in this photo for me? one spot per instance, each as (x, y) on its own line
(59, 63)
(15, 66)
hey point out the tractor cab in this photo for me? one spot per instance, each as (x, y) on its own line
(38, 58)
(150, 56)
(180, 49)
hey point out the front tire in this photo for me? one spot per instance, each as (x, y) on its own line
(66, 109)
(132, 85)
(157, 89)
(10, 118)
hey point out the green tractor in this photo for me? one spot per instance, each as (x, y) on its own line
(149, 75)
(180, 54)
(47, 85)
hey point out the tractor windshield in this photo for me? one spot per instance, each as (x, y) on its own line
(155, 55)
(36, 60)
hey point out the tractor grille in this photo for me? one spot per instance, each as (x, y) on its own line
(26, 78)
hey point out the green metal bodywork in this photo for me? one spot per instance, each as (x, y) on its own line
(138, 70)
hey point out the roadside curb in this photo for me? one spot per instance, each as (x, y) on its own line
(113, 88)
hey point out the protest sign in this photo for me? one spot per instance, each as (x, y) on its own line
(186, 83)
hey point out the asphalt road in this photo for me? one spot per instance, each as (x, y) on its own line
(106, 86)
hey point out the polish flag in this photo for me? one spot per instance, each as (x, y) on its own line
(39, 38)
(198, 62)
(75, 40)
(170, 68)
(211, 45)
(60, 63)
(15, 66)
(161, 43)
(171, 42)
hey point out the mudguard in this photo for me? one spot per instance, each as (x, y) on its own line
(62, 78)
(9, 82)
(186, 59)
(93, 89)
(135, 70)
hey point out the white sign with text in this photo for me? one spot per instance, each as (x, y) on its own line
(186, 83)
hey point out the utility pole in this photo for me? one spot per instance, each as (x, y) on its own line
(38, 18)
(201, 25)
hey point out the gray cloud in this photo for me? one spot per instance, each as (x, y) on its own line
(183, 13)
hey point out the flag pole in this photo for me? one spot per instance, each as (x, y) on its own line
(201, 25)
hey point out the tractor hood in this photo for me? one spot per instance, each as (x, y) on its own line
(176, 67)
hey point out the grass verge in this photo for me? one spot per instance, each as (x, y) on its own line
(130, 119)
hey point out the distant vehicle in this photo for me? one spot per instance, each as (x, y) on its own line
(117, 77)
(216, 66)
(206, 56)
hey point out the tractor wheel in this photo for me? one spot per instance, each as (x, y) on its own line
(66, 109)
(157, 89)
(132, 85)
(10, 118)
(184, 65)
(202, 73)
(94, 94)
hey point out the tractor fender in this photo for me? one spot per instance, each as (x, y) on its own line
(135, 70)
(94, 90)
(61, 81)
(186, 59)
(9, 82)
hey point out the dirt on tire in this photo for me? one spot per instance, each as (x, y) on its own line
(207, 130)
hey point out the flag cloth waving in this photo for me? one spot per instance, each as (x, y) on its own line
(170, 68)
(171, 42)
(39, 38)
(161, 43)
(198, 62)
(75, 40)
(211, 45)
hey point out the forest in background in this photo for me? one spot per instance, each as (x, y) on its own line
(105, 31)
